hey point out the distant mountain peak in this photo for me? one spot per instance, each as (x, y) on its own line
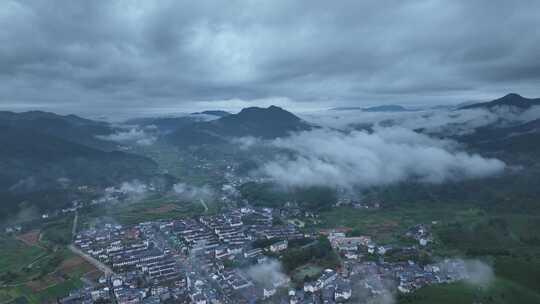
(270, 108)
(512, 95)
(269, 123)
(511, 100)
(265, 114)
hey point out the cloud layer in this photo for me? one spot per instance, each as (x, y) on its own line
(449, 122)
(106, 55)
(142, 136)
(388, 155)
(191, 192)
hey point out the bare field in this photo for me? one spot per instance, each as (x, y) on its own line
(30, 238)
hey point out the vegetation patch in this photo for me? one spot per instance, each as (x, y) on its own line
(305, 273)
(16, 257)
(500, 292)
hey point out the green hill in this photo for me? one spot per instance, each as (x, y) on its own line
(268, 123)
(36, 165)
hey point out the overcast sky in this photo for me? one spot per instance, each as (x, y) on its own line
(101, 56)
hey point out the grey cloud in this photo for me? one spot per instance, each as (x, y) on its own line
(479, 273)
(192, 192)
(135, 191)
(133, 135)
(269, 274)
(388, 155)
(474, 272)
(245, 143)
(133, 187)
(118, 54)
(432, 121)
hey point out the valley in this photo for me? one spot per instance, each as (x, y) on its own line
(219, 171)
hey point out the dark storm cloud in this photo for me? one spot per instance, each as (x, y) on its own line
(115, 54)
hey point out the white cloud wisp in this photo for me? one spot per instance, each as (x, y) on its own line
(330, 158)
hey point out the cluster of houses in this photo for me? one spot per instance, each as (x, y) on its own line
(206, 260)
(184, 261)
(141, 265)
(363, 281)
(329, 288)
(369, 266)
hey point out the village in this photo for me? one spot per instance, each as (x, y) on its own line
(235, 257)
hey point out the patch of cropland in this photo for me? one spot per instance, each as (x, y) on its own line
(147, 209)
(502, 291)
(35, 271)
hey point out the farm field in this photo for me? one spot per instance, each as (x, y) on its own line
(500, 292)
(149, 209)
(387, 225)
(36, 273)
(15, 254)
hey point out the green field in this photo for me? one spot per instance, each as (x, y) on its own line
(183, 164)
(149, 209)
(500, 292)
(15, 255)
(58, 232)
(388, 225)
(43, 272)
(310, 270)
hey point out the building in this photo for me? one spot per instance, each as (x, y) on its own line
(343, 291)
(279, 246)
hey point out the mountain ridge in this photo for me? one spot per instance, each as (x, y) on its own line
(69, 127)
(267, 123)
(511, 99)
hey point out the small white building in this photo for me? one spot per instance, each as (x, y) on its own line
(279, 246)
